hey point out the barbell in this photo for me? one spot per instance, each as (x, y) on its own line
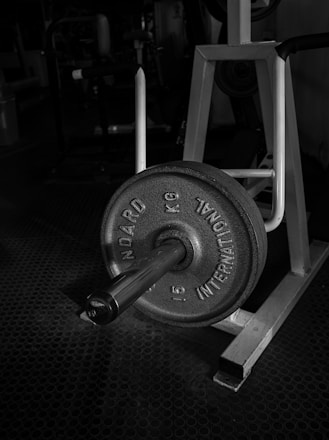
(184, 242)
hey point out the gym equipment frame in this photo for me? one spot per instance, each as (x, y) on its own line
(254, 331)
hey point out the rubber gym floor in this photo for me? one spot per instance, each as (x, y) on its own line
(63, 378)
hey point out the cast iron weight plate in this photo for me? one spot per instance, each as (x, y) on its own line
(217, 220)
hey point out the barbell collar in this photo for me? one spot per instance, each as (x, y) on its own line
(103, 306)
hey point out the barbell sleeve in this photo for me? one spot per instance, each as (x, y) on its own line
(103, 306)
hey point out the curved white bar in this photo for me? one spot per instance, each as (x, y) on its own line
(279, 133)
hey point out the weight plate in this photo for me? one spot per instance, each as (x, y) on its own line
(217, 220)
(237, 78)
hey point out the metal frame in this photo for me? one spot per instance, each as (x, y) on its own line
(254, 331)
(199, 108)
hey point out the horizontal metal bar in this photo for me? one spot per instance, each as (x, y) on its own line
(235, 322)
(257, 186)
(253, 51)
(244, 173)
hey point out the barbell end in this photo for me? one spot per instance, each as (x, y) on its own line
(103, 306)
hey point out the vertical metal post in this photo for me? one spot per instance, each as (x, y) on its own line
(140, 118)
(299, 249)
(296, 221)
(199, 107)
(264, 80)
(238, 22)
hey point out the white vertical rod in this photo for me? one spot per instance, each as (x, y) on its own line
(279, 133)
(140, 120)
